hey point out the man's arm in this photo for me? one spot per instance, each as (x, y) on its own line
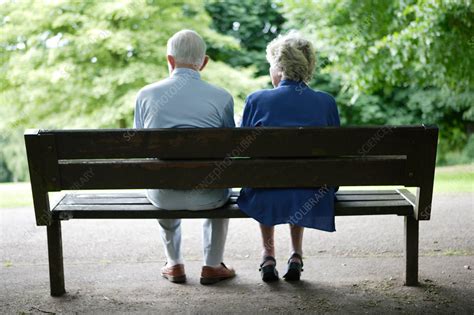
(228, 115)
(138, 117)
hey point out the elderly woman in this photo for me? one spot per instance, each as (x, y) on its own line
(290, 103)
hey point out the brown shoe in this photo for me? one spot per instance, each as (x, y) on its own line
(174, 273)
(210, 275)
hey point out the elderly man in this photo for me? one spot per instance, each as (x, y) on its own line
(183, 100)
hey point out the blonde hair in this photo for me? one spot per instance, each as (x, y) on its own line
(293, 56)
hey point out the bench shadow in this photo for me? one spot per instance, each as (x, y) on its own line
(281, 296)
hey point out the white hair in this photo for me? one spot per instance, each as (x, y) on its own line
(293, 56)
(188, 47)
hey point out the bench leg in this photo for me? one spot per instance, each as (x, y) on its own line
(55, 255)
(411, 251)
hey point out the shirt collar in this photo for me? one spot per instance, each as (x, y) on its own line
(287, 82)
(186, 72)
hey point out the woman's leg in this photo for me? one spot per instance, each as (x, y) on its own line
(295, 264)
(268, 242)
(296, 241)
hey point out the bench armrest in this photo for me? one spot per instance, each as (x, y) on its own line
(424, 195)
(38, 187)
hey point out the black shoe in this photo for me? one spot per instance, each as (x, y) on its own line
(294, 270)
(268, 272)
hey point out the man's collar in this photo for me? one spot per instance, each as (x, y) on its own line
(186, 72)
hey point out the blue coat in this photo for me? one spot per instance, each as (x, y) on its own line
(291, 104)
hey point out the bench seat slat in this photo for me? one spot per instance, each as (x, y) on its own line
(235, 192)
(135, 205)
(70, 200)
(106, 195)
(368, 192)
(141, 199)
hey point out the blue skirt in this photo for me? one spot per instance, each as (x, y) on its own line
(311, 208)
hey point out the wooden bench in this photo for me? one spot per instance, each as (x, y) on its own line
(216, 158)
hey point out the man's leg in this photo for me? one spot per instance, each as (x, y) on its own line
(170, 230)
(214, 237)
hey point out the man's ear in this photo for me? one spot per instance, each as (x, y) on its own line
(204, 63)
(171, 62)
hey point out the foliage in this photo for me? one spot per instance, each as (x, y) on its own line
(372, 44)
(254, 23)
(399, 62)
(5, 173)
(79, 64)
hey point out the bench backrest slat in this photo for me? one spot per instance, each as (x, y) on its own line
(256, 173)
(238, 142)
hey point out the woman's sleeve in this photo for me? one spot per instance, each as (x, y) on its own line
(247, 117)
(335, 120)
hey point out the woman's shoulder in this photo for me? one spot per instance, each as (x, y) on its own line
(323, 95)
(324, 98)
(260, 94)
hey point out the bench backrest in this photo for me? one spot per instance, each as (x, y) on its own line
(241, 157)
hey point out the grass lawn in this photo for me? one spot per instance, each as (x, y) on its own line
(448, 179)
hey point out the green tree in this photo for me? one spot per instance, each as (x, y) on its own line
(79, 64)
(399, 62)
(254, 23)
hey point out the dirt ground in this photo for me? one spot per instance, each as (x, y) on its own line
(112, 266)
